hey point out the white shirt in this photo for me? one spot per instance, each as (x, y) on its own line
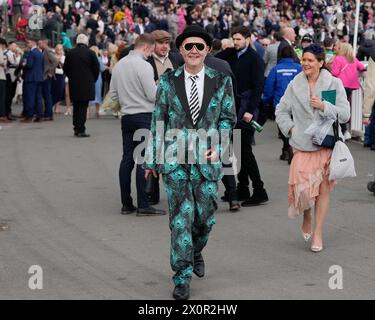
(141, 29)
(12, 60)
(199, 82)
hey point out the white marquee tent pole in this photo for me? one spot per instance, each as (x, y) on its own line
(355, 39)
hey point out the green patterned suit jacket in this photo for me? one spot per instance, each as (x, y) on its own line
(172, 114)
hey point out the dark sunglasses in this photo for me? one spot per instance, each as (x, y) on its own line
(198, 46)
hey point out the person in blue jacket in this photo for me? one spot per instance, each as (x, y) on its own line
(275, 86)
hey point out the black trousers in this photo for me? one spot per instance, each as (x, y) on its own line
(79, 116)
(249, 165)
(2, 98)
(229, 182)
(349, 92)
(10, 93)
(285, 140)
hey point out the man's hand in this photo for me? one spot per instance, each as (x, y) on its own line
(366, 121)
(247, 117)
(316, 103)
(211, 155)
(148, 172)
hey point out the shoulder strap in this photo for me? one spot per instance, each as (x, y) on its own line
(336, 130)
(342, 70)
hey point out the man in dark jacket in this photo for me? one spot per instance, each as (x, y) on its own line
(228, 180)
(32, 83)
(367, 46)
(50, 65)
(288, 37)
(248, 68)
(82, 68)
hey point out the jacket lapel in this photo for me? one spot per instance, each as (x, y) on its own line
(179, 84)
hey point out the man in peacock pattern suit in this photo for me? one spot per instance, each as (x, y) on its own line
(191, 177)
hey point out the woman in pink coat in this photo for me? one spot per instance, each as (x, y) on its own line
(181, 13)
(129, 18)
(346, 67)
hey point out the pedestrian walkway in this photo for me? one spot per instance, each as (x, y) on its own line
(60, 198)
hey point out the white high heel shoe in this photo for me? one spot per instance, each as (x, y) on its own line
(316, 248)
(306, 236)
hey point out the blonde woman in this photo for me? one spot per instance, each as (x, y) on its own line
(98, 84)
(58, 83)
(346, 67)
(308, 185)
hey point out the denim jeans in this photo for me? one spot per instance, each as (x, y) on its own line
(129, 125)
(371, 127)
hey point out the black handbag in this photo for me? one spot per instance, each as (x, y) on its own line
(151, 185)
(330, 140)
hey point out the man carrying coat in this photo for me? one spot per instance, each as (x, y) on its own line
(82, 68)
(191, 99)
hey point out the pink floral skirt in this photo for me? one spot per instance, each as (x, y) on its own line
(307, 171)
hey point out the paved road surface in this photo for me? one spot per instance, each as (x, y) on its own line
(59, 195)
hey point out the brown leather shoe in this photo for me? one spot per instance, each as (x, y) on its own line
(26, 120)
(4, 120)
(234, 206)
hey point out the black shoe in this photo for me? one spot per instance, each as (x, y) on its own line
(243, 193)
(234, 206)
(128, 209)
(198, 265)
(181, 292)
(285, 156)
(38, 120)
(366, 145)
(371, 186)
(372, 147)
(258, 197)
(150, 211)
(82, 135)
(225, 198)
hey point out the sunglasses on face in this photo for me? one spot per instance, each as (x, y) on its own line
(199, 46)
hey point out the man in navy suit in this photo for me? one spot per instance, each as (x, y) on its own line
(32, 85)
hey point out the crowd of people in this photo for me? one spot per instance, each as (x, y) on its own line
(253, 59)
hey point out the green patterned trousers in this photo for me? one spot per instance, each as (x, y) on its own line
(192, 203)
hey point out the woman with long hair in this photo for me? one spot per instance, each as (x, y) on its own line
(309, 185)
(58, 83)
(98, 84)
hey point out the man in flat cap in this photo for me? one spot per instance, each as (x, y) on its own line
(191, 100)
(162, 58)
